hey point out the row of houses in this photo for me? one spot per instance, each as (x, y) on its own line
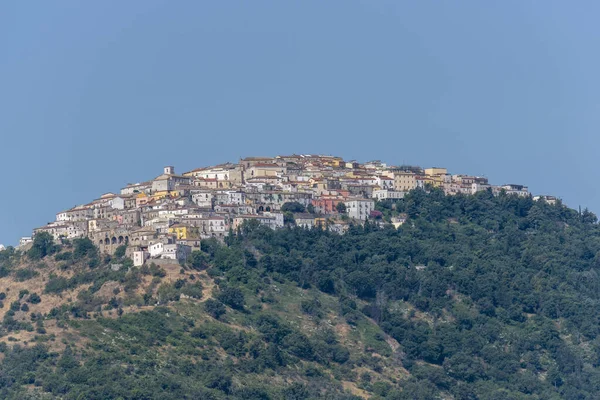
(168, 216)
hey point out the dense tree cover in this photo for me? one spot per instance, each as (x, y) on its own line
(501, 293)
(488, 298)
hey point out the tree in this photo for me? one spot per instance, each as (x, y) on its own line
(233, 297)
(120, 251)
(288, 218)
(214, 308)
(43, 245)
(84, 247)
(293, 207)
(198, 260)
(340, 207)
(310, 208)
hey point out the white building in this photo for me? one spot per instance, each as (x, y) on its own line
(169, 251)
(75, 231)
(217, 226)
(548, 199)
(118, 203)
(25, 240)
(479, 187)
(156, 249)
(176, 251)
(134, 188)
(168, 180)
(140, 257)
(2, 248)
(384, 182)
(276, 219)
(519, 190)
(79, 213)
(202, 198)
(359, 208)
(272, 220)
(387, 194)
(56, 229)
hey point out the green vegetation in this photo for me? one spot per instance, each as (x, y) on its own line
(43, 245)
(473, 297)
(25, 274)
(293, 207)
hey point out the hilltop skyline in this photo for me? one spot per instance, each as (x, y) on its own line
(150, 176)
(168, 215)
(98, 95)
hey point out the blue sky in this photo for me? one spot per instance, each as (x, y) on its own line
(97, 94)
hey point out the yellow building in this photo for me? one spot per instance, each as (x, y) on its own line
(184, 232)
(163, 194)
(436, 176)
(331, 161)
(404, 181)
(435, 171)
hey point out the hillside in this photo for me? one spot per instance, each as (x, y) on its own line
(473, 297)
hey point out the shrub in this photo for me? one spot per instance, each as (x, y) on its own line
(25, 274)
(299, 345)
(233, 297)
(179, 283)
(34, 298)
(56, 285)
(311, 307)
(214, 308)
(25, 307)
(167, 292)
(193, 290)
(157, 271)
(67, 255)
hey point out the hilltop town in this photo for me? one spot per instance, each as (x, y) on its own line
(168, 216)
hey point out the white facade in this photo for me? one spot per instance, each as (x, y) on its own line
(478, 187)
(202, 198)
(384, 182)
(272, 220)
(25, 240)
(175, 251)
(548, 199)
(236, 197)
(136, 188)
(359, 208)
(75, 231)
(118, 203)
(217, 226)
(519, 190)
(140, 257)
(156, 249)
(56, 230)
(168, 251)
(276, 219)
(75, 214)
(387, 194)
